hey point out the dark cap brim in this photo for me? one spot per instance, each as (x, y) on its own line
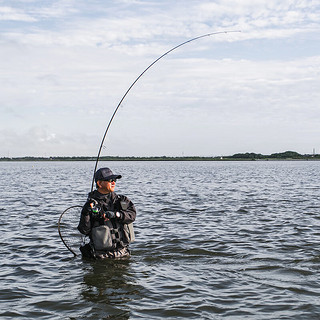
(114, 176)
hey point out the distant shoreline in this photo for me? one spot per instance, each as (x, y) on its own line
(284, 156)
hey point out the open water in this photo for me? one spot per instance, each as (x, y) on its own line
(214, 240)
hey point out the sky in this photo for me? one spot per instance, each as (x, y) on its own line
(252, 87)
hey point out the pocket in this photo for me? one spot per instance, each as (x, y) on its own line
(129, 232)
(124, 205)
(101, 237)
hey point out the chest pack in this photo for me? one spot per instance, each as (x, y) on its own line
(111, 236)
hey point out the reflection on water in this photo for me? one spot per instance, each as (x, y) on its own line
(109, 284)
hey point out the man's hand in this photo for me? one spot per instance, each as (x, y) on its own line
(112, 215)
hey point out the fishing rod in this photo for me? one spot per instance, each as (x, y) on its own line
(69, 217)
(135, 81)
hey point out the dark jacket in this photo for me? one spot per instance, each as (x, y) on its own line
(106, 202)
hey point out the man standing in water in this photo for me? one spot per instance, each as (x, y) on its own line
(107, 219)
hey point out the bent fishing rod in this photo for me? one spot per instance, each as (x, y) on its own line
(135, 81)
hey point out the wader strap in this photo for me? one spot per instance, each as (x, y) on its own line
(116, 235)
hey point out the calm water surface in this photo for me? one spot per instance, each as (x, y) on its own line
(214, 240)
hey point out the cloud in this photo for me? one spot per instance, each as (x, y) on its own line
(129, 23)
(12, 14)
(42, 141)
(66, 64)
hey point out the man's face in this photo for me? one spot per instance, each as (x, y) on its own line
(106, 186)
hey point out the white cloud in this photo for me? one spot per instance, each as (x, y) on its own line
(11, 14)
(111, 27)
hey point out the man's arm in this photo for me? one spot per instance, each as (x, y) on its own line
(85, 222)
(127, 211)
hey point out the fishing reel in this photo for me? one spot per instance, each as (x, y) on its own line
(95, 209)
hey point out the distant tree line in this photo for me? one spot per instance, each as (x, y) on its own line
(287, 155)
(283, 155)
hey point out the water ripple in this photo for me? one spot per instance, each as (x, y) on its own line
(214, 240)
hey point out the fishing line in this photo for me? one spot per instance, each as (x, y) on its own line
(135, 81)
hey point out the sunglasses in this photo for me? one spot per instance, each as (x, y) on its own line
(111, 180)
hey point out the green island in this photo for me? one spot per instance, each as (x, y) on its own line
(287, 155)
